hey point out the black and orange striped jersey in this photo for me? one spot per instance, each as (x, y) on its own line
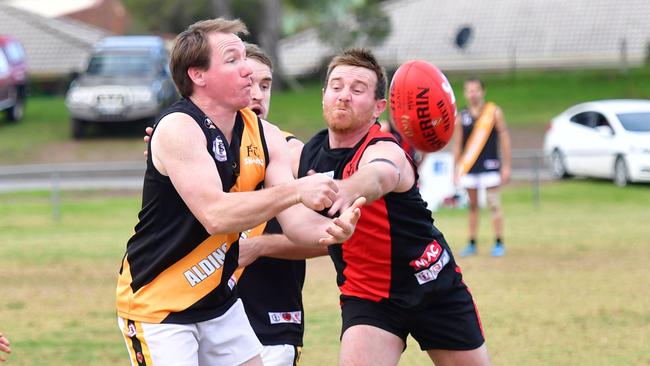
(396, 252)
(173, 270)
(488, 159)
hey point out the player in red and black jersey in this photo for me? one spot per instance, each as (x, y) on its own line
(396, 274)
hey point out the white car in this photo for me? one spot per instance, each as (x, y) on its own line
(603, 139)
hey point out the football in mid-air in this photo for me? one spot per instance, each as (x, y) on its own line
(422, 105)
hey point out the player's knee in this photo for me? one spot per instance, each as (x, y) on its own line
(494, 201)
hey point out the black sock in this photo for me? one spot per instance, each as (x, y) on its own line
(472, 242)
(498, 241)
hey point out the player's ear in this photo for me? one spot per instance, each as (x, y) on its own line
(380, 107)
(196, 75)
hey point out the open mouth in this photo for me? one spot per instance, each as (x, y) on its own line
(257, 111)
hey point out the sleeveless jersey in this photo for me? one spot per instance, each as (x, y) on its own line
(488, 160)
(173, 270)
(395, 253)
(271, 290)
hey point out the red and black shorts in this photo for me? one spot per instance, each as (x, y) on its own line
(449, 320)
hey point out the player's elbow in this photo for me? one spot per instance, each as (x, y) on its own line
(213, 222)
(213, 226)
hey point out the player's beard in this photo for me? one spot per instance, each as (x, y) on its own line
(343, 121)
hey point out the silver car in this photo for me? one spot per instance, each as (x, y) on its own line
(127, 80)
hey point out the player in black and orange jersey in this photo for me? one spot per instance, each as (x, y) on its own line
(271, 287)
(207, 160)
(396, 274)
(481, 134)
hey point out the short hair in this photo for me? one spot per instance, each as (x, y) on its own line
(255, 52)
(361, 57)
(475, 79)
(192, 49)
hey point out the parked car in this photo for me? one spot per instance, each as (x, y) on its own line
(13, 78)
(604, 139)
(127, 80)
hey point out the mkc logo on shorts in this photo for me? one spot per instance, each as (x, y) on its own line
(430, 255)
(206, 266)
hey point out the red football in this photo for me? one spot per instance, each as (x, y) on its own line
(422, 105)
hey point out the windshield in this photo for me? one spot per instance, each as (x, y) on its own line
(635, 122)
(121, 64)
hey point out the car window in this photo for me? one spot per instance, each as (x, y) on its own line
(14, 52)
(635, 122)
(121, 64)
(585, 119)
(601, 120)
(4, 65)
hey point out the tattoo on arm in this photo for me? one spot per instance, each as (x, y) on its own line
(386, 161)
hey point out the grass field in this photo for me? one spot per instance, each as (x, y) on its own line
(573, 289)
(529, 99)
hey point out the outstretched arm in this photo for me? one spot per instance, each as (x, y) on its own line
(178, 150)
(383, 168)
(275, 246)
(300, 222)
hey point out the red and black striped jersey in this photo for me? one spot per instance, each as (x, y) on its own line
(395, 251)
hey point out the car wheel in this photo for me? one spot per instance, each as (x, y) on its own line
(558, 167)
(15, 113)
(78, 128)
(620, 172)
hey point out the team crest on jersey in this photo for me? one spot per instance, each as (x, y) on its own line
(209, 124)
(253, 155)
(467, 119)
(219, 149)
(286, 317)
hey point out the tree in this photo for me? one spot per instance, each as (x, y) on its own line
(269, 36)
(222, 8)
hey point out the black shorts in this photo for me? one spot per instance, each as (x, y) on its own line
(449, 322)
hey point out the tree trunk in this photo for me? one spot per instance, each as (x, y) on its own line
(270, 36)
(222, 8)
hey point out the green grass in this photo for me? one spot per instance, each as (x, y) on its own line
(46, 121)
(572, 289)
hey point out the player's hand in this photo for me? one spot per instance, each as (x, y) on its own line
(505, 175)
(344, 198)
(5, 347)
(147, 137)
(342, 227)
(317, 191)
(249, 251)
